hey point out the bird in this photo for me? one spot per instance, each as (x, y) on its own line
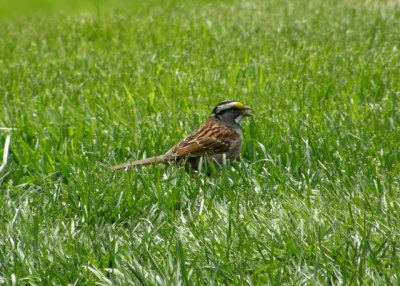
(219, 138)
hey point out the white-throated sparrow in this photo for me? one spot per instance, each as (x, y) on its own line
(220, 139)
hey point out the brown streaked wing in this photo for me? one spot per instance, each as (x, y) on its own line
(209, 139)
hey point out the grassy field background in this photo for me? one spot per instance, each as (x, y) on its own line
(313, 200)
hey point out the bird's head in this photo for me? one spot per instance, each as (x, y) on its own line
(231, 111)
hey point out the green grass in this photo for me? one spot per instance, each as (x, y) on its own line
(313, 200)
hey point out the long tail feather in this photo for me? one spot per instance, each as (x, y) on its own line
(139, 163)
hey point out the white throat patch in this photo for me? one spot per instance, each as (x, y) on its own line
(239, 119)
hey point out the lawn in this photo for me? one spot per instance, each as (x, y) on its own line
(314, 198)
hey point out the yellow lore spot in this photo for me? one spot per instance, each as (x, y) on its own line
(238, 104)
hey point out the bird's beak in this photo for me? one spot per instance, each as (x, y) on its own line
(248, 111)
